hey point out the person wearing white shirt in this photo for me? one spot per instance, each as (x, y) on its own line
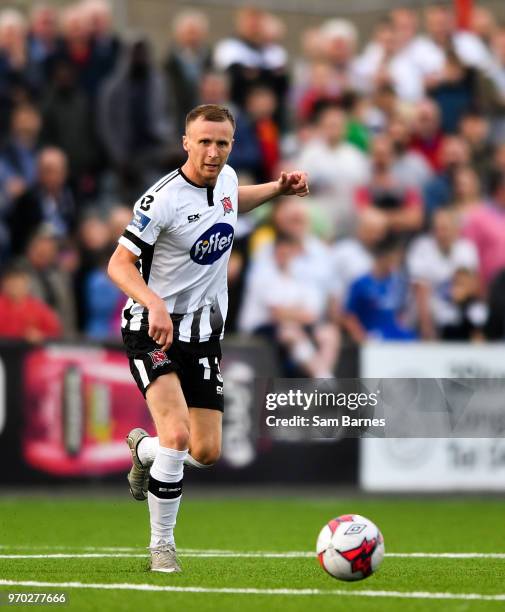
(336, 168)
(288, 310)
(352, 256)
(432, 261)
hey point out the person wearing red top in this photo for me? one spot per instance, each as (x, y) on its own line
(21, 315)
(427, 137)
(399, 203)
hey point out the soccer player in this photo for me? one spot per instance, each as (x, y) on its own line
(171, 261)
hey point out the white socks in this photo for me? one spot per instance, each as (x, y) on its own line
(148, 447)
(146, 450)
(164, 494)
(191, 461)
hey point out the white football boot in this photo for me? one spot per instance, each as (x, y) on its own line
(164, 559)
(138, 476)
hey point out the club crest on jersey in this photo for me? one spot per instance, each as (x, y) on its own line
(212, 244)
(140, 221)
(227, 205)
(159, 358)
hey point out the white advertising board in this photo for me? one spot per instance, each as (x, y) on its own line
(432, 464)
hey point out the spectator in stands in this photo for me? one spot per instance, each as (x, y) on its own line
(250, 58)
(188, 59)
(485, 227)
(133, 120)
(18, 156)
(439, 191)
(76, 45)
(49, 201)
(17, 164)
(377, 300)
(497, 70)
(385, 192)
(336, 168)
(441, 27)
(416, 50)
(475, 129)
(357, 108)
(386, 62)
(105, 42)
(291, 218)
(483, 24)
(340, 38)
(372, 65)
(103, 303)
(95, 246)
(454, 92)
(470, 312)
(352, 257)
(312, 52)
(49, 282)
(16, 82)
(43, 43)
(118, 218)
(321, 87)
(23, 316)
(256, 147)
(287, 310)
(215, 89)
(432, 261)
(385, 106)
(427, 136)
(409, 166)
(497, 165)
(467, 192)
(68, 124)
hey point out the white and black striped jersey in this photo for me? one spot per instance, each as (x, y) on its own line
(182, 234)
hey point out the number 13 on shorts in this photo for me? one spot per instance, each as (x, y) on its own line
(204, 361)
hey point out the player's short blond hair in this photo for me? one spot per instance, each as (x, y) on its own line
(210, 112)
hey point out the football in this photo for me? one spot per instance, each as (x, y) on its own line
(350, 547)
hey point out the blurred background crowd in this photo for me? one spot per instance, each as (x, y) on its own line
(402, 135)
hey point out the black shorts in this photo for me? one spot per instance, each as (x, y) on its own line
(196, 364)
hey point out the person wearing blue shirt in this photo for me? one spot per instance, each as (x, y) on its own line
(376, 300)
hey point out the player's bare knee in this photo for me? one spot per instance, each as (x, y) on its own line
(176, 437)
(207, 455)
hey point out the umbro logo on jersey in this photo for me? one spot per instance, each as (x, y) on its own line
(193, 218)
(212, 244)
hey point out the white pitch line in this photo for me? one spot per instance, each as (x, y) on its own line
(187, 552)
(252, 591)
(422, 555)
(75, 556)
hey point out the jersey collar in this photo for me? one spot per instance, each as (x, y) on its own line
(210, 190)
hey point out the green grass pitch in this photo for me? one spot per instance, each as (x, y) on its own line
(94, 526)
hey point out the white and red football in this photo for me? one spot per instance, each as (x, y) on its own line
(350, 547)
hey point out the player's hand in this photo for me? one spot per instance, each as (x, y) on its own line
(293, 183)
(160, 325)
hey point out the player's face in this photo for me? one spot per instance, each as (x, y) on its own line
(208, 144)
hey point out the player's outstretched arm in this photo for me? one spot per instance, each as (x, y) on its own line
(125, 275)
(289, 183)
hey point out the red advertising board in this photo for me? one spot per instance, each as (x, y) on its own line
(80, 403)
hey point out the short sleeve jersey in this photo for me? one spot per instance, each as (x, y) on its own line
(183, 234)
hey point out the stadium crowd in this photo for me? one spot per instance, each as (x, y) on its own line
(402, 135)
